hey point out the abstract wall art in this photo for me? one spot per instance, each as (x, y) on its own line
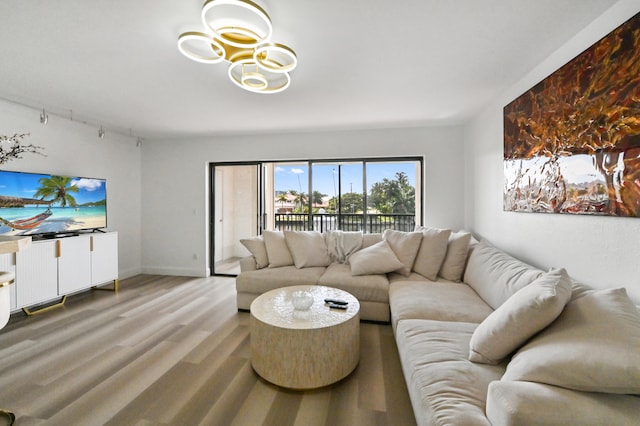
(572, 142)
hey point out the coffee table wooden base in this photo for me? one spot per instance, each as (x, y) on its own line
(306, 358)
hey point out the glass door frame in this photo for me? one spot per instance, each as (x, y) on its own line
(259, 204)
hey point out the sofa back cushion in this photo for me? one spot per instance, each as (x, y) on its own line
(405, 245)
(277, 250)
(308, 248)
(370, 239)
(495, 275)
(342, 244)
(258, 250)
(432, 252)
(455, 260)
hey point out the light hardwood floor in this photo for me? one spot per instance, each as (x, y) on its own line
(175, 351)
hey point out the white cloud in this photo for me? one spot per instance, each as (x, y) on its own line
(87, 184)
(297, 171)
(279, 169)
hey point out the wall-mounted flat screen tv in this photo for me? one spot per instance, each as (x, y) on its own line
(49, 205)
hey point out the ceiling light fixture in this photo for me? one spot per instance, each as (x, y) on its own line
(241, 36)
(44, 117)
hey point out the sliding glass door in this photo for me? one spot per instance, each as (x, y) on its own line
(367, 195)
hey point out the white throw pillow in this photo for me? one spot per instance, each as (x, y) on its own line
(432, 252)
(277, 250)
(307, 248)
(593, 346)
(375, 259)
(524, 314)
(258, 250)
(456, 258)
(405, 245)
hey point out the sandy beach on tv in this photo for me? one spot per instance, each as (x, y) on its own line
(61, 220)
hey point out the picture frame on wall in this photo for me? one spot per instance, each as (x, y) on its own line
(572, 142)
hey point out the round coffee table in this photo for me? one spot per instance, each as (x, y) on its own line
(304, 349)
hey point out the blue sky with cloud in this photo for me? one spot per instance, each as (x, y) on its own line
(326, 180)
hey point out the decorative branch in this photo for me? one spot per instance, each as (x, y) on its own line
(14, 147)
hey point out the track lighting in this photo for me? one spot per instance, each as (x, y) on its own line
(44, 117)
(101, 132)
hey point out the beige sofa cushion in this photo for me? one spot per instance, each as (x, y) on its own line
(258, 250)
(432, 252)
(444, 386)
(592, 346)
(370, 239)
(495, 275)
(456, 258)
(524, 314)
(308, 248)
(431, 300)
(277, 249)
(342, 244)
(375, 259)
(405, 245)
(263, 280)
(536, 404)
(372, 288)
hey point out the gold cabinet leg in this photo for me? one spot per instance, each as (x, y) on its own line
(8, 415)
(46, 308)
(116, 287)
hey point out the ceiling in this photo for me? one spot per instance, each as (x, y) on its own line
(361, 63)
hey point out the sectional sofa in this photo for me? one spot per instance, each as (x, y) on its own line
(483, 338)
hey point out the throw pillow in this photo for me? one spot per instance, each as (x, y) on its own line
(432, 252)
(307, 248)
(405, 245)
(375, 259)
(456, 257)
(258, 250)
(524, 314)
(593, 346)
(277, 250)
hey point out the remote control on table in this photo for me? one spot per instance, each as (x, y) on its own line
(336, 306)
(336, 301)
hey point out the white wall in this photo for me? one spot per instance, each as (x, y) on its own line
(600, 251)
(175, 188)
(73, 148)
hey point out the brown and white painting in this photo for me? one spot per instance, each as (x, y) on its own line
(572, 142)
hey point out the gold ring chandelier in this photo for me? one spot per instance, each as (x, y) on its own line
(239, 32)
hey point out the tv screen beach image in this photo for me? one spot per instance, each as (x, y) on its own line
(33, 204)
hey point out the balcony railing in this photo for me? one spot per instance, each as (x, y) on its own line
(369, 223)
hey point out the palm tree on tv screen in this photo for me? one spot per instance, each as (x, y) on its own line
(57, 188)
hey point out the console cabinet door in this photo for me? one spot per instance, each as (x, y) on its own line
(104, 258)
(74, 264)
(37, 274)
(8, 264)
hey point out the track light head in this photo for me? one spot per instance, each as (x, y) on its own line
(44, 117)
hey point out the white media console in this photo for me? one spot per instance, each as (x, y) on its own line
(52, 269)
